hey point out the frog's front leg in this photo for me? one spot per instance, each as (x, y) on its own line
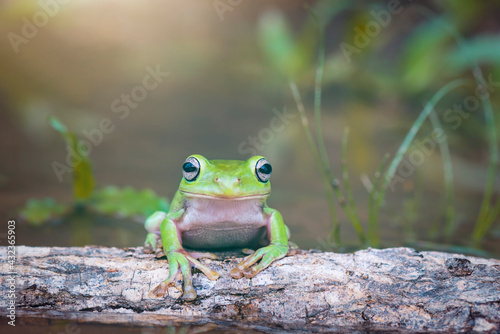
(278, 248)
(179, 261)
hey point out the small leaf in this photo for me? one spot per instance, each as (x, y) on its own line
(127, 202)
(38, 211)
(277, 42)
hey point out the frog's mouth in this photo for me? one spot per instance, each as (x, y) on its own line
(222, 197)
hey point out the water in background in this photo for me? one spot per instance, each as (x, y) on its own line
(147, 84)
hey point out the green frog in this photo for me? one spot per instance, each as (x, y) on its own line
(220, 204)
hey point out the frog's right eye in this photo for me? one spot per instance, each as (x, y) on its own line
(191, 169)
(263, 170)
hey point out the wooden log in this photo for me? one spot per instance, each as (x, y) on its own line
(397, 288)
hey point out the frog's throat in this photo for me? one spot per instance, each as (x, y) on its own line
(232, 198)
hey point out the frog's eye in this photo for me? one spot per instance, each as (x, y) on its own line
(191, 169)
(263, 170)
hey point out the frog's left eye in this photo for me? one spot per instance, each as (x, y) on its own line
(191, 169)
(263, 170)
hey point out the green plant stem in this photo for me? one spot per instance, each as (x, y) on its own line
(83, 179)
(320, 141)
(328, 178)
(415, 205)
(335, 235)
(373, 228)
(494, 213)
(350, 205)
(317, 95)
(391, 171)
(482, 224)
(449, 225)
(348, 209)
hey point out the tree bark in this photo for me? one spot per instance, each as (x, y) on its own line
(397, 288)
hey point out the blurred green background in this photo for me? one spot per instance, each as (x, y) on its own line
(229, 65)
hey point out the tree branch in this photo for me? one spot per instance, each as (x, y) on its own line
(399, 288)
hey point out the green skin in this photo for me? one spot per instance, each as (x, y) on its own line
(224, 207)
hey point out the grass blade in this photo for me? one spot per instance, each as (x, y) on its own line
(373, 228)
(482, 224)
(391, 170)
(494, 214)
(335, 233)
(449, 225)
(351, 205)
(317, 92)
(348, 206)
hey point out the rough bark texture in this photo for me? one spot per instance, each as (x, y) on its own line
(398, 288)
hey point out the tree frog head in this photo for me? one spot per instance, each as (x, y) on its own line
(226, 179)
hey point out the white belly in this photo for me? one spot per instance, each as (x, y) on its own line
(217, 224)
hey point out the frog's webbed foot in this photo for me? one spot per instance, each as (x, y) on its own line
(293, 249)
(152, 225)
(153, 244)
(153, 241)
(159, 250)
(179, 263)
(266, 255)
(161, 289)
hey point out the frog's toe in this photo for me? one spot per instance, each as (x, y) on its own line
(251, 271)
(178, 280)
(201, 255)
(148, 249)
(247, 251)
(189, 293)
(150, 243)
(159, 253)
(267, 255)
(160, 290)
(239, 270)
(211, 274)
(236, 273)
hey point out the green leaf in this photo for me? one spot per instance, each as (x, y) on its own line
(83, 180)
(127, 202)
(38, 211)
(277, 42)
(423, 55)
(481, 49)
